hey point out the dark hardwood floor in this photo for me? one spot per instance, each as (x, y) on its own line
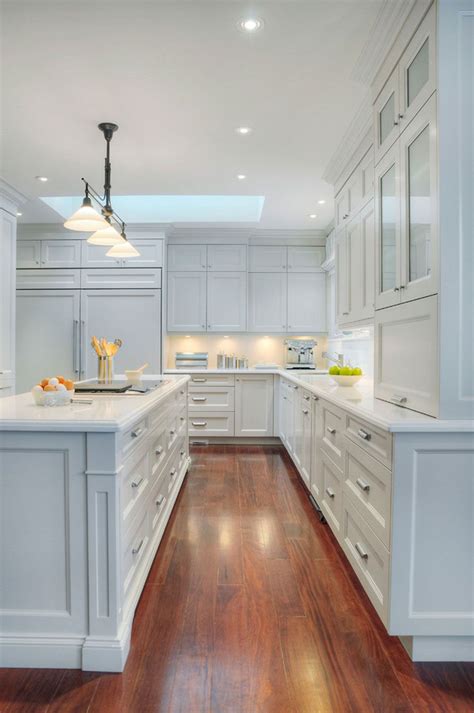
(250, 607)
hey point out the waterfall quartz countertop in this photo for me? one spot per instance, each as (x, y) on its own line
(106, 413)
(358, 400)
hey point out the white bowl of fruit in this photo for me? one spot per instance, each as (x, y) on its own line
(54, 391)
(345, 375)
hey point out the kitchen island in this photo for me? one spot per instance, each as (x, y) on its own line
(86, 491)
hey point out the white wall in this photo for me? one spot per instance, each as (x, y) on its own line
(358, 349)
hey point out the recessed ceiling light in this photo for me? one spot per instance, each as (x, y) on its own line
(313, 215)
(43, 179)
(19, 214)
(322, 201)
(243, 130)
(250, 24)
(241, 176)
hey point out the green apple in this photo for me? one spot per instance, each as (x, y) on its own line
(357, 371)
(334, 370)
(346, 371)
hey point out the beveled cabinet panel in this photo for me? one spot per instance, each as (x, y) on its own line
(191, 258)
(228, 258)
(187, 301)
(387, 229)
(267, 309)
(267, 258)
(386, 116)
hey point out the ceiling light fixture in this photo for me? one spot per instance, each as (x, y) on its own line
(241, 176)
(322, 201)
(313, 216)
(243, 130)
(43, 179)
(250, 24)
(87, 218)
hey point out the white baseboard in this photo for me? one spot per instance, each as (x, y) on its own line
(107, 654)
(41, 651)
(439, 648)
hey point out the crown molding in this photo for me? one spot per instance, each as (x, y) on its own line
(10, 198)
(359, 128)
(383, 33)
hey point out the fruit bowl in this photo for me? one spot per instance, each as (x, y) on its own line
(55, 391)
(346, 380)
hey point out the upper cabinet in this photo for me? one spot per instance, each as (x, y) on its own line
(227, 301)
(279, 258)
(306, 303)
(187, 301)
(71, 253)
(229, 258)
(187, 257)
(356, 191)
(408, 88)
(305, 259)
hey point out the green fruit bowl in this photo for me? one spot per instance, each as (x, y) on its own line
(346, 380)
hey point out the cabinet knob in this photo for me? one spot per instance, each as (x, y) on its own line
(330, 430)
(203, 326)
(400, 116)
(396, 289)
(395, 123)
(402, 287)
(208, 326)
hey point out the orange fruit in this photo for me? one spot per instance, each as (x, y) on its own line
(49, 388)
(40, 385)
(61, 379)
(69, 384)
(44, 382)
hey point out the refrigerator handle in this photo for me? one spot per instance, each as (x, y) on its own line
(82, 349)
(75, 345)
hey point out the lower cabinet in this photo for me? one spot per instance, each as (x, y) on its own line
(316, 474)
(331, 498)
(254, 405)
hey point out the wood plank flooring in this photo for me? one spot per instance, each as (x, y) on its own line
(249, 607)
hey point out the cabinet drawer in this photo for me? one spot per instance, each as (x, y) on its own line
(200, 380)
(133, 436)
(135, 485)
(332, 432)
(331, 501)
(211, 398)
(121, 278)
(158, 501)
(211, 423)
(48, 279)
(135, 547)
(368, 484)
(368, 557)
(372, 439)
(182, 421)
(172, 433)
(159, 452)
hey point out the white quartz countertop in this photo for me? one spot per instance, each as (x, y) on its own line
(106, 413)
(358, 400)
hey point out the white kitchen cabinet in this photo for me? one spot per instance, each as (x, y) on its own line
(227, 301)
(229, 258)
(411, 329)
(119, 278)
(331, 496)
(387, 116)
(342, 279)
(60, 253)
(366, 171)
(298, 430)
(53, 279)
(268, 258)
(306, 303)
(7, 300)
(254, 405)
(355, 265)
(364, 297)
(268, 302)
(348, 199)
(47, 335)
(331, 303)
(283, 413)
(387, 230)
(134, 316)
(187, 294)
(316, 475)
(305, 258)
(306, 443)
(96, 256)
(191, 258)
(150, 249)
(28, 253)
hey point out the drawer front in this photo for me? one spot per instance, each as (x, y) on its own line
(211, 423)
(182, 421)
(331, 501)
(172, 433)
(135, 547)
(211, 398)
(158, 502)
(200, 380)
(332, 433)
(120, 278)
(368, 484)
(368, 557)
(48, 279)
(159, 452)
(135, 486)
(134, 436)
(159, 415)
(373, 440)
(177, 401)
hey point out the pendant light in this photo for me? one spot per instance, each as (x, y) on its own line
(106, 236)
(86, 219)
(123, 249)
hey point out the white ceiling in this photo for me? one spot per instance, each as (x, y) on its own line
(179, 77)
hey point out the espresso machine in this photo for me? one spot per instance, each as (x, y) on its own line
(299, 353)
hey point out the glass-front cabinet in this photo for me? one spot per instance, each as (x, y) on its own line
(386, 116)
(387, 217)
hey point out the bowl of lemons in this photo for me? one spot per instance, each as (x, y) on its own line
(345, 375)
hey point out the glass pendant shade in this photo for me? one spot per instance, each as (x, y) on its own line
(124, 249)
(86, 219)
(108, 236)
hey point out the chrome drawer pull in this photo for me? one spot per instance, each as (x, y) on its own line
(363, 485)
(305, 411)
(199, 423)
(306, 398)
(159, 501)
(198, 381)
(330, 492)
(159, 451)
(136, 483)
(136, 550)
(363, 434)
(138, 432)
(362, 553)
(173, 472)
(199, 398)
(399, 399)
(331, 430)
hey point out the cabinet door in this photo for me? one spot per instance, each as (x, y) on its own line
(342, 279)
(95, 256)
(151, 253)
(134, 316)
(316, 477)
(61, 253)
(229, 258)
(305, 259)
(387, 230)
(306, 303)
(307, 439)
(254, 405)
(7, 294)
(366, 290)
(331, 302)
(386, 116)
(283, 409)
(187, 301)
(411, 382)
(267, 302)
(297, 430)
(366, 170)
(267, 258)
(28, 253)
(419, 216)
(342, 207)
(227, 301)
(290, 418)
(353, 271)
(47, 335)
(417, 69)
(354, 193)
(187, 257)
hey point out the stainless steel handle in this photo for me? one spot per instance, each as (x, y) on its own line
(75, 335)
(159, 500)
(330, 492)
(399, 399)
(136, 550)
(363, 485)
(159, 451)
(137, 433)
(198, 381)
(364, 435)
(199, 423)
(136, 483)
(362, 553)
(331, 430)
(199, 398)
